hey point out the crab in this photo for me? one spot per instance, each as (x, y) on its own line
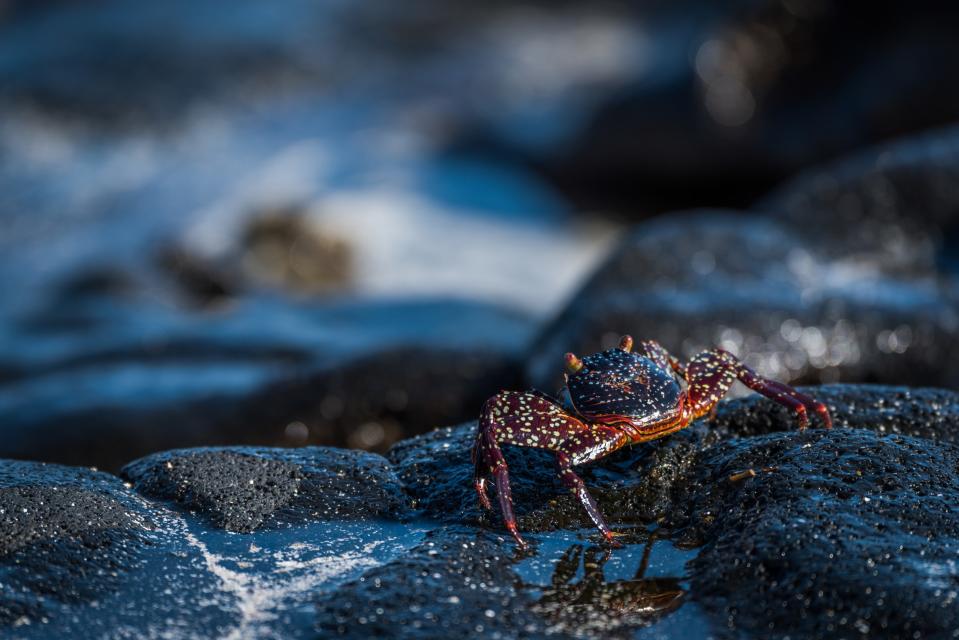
(611, 399)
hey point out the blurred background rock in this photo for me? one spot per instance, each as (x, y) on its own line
(344, 223)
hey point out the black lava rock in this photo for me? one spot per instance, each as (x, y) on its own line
(83, 555)
(68, 538)
(890, 209)
(457, 583)
(830, 528)
(846, 533)
(711, 279)
(244, 489)
(921, 413)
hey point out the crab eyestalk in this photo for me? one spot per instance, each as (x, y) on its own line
(573, 364)
(626, 343)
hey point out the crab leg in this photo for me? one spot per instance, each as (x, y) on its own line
(663, 359)
(711, 373)
(479, 480)
(503, 493)
(530, 420)
(577, 486)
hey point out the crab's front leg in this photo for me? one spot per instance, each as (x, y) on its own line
(530, 420)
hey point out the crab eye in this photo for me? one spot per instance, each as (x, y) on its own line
(626, 343)
(573, 364)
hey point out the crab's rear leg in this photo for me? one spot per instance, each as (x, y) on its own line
(711, 373)
(530, 420)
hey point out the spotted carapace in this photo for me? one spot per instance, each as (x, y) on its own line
(611, 399)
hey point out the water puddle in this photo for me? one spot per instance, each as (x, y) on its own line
(585, 589)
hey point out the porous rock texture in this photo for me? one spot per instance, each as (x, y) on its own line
(68, 537)
(83, 554)
(843, 533)
(244, 488)
(455, 584)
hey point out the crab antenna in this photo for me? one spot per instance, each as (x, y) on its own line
(626, 343)
(573, 364)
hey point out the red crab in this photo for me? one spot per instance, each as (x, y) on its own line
(612, 399)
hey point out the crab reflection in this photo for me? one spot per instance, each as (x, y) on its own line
(595, 602)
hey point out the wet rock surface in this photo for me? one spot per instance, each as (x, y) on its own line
(632, 486)
(83, 554)
(891, 207)
(918, 412)
(145, 378)
(753, 286)
(71, 537)
(843, 533)
(243, 489)
(455, 583)
(169, 580)
(639, 484)
(833, 525)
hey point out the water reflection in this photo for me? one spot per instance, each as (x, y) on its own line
(593, 602)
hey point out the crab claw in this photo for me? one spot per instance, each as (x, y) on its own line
(573, 364)
(626, 343)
